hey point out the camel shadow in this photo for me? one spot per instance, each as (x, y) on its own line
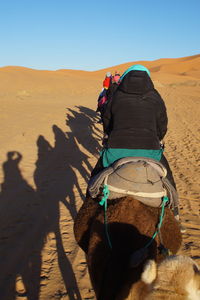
(84, 129)
(29, 215)
(56, 179)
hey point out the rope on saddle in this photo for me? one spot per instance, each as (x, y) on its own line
(139, 255)
(164, 201)
(103, 202)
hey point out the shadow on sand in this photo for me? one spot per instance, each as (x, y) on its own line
(28, 215)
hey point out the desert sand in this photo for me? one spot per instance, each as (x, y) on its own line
(49, 144)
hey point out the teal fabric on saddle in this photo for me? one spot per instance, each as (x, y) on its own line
(110, 155)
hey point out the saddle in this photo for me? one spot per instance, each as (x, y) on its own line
(143, 178)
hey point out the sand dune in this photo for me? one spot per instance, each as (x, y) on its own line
(49, 144)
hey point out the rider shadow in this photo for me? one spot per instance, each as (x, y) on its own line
(54, 174)
(89, 136)
(55, 180)
(90, 113)
(77, 159)
(18, 234)
(28, 216)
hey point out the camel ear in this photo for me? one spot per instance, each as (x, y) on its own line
(196, 269)
(150, 272)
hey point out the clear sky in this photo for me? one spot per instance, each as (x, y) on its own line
(92, 34)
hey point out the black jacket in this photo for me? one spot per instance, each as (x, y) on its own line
(135, 117)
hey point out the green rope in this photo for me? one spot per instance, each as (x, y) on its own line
(103, 202)
(106, 193)
(164, 201)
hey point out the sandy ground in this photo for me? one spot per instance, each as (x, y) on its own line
(49, 143)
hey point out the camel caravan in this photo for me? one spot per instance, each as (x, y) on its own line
(128, 225)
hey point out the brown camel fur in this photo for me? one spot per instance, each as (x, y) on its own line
(131, 226)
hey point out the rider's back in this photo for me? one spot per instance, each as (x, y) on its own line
(136, 117)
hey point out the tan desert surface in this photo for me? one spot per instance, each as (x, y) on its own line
(49, 144)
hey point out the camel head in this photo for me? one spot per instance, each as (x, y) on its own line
(175, 278)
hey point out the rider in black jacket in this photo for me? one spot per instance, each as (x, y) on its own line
(135, 117)
(135, 120)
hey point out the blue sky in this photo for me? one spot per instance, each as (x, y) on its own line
(91, 34)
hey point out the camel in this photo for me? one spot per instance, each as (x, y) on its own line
(175, 278)
(119, 242)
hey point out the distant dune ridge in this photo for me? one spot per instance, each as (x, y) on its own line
(49, 143)
(186, 66)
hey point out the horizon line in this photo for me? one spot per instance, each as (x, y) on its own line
(105, 68)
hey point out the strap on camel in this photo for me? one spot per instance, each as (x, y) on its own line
(139, 255)
(103, 202)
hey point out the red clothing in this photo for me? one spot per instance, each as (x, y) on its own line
(106, 82)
